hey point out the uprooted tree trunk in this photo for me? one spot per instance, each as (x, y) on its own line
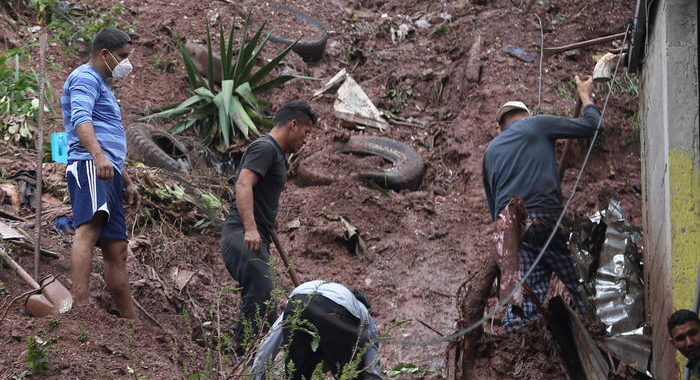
(475, 292)
(501, 260)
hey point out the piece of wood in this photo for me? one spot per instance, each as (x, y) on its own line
(40, 151)
(461, 354)
(591, 360)
(548, 52)
(29, 245)
(473, 68)
(510, 226)
(285, 259)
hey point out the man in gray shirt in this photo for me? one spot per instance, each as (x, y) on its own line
(247, 231)
(521, 162)
(324, 324)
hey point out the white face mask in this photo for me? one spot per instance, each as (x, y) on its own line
(122, 69)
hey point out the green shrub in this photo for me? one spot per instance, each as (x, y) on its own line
(19, 99)
(219, 112)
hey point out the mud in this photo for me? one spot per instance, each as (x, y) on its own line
(420, 245)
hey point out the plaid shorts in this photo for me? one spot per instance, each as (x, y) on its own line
(556, 259)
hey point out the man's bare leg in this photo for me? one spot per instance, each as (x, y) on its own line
(84, 241)
(115, 252)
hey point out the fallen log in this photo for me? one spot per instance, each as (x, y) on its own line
(461, 354)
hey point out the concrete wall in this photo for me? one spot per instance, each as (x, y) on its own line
(670, 170)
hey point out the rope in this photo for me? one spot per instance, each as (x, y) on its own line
(520, 283)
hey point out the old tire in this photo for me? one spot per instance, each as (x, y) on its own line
(156, 148)
(407, 172)
(309, 51)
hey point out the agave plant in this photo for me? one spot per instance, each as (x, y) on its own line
(220, 111)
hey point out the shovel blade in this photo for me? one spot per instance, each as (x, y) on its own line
(54, 299)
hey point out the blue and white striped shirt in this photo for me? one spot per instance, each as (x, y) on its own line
(87, 98)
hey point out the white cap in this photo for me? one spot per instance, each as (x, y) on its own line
(509, 106)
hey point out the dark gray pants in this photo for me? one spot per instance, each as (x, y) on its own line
(254, 276)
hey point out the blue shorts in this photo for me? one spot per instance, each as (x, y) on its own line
(89, 195)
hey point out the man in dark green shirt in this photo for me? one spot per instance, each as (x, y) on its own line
(521, 162)
(247, 232)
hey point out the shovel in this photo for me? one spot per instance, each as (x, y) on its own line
(51, 296)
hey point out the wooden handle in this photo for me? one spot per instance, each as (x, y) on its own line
(21, 272)
(285, 259)
(559, 49)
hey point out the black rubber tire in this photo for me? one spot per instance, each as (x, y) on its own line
(407, 172)
(149, 146)
(635, 53)
(309, 51)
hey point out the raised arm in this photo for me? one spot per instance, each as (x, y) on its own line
(560, 127)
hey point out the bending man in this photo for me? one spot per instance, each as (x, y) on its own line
(521, 161)
(344, 332)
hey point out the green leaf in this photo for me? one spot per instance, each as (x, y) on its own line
(223, 102)
(404, 369)
(240, 59)
(315, 341)
(280, 80)
(262, 73)
(242, 119)
(192, 74)
(165, 114)
(229, 51)
(256, 53)
(210, 201)
(163, 108)
(242, 67)
(246, 93)
(205, 93)
(182, 126)
(190, 101)
(210, 61)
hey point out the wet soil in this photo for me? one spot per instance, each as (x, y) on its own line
(420, 245)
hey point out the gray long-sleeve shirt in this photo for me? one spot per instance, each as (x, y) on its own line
(343, 297)
(521, 160)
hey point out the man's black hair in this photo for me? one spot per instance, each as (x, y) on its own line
(361, 297)
(299, 110)
(680, 317)
(110, 39)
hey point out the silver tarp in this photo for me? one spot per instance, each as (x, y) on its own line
(608, 261)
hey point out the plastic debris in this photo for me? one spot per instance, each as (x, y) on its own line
(333, 82)
(64, 224)
(353, 105)
(423, 23)
(519, 53)
(7, 232)
(59, 147)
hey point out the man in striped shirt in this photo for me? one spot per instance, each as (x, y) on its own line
(95, 176)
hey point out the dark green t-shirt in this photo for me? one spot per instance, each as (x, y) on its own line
(265, 157)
